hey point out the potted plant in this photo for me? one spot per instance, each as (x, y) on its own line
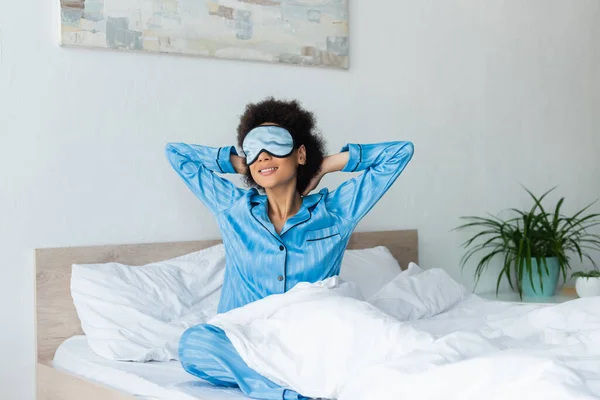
(587, 283)
(534, 245)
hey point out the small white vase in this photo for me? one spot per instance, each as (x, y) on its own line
(587, 287)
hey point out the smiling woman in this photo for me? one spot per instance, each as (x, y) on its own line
(285, 128)
(272, 157)
(284, 235)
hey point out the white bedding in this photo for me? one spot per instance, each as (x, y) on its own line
(168, 381)
(478, 350)
(323, 341)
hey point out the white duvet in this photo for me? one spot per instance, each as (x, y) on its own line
(323, 340)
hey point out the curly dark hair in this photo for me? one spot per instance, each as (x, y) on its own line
(301, 125)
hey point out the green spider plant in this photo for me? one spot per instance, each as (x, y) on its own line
(533, 234)
(586, 274)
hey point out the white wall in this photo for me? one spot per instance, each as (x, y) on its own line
(492, 93)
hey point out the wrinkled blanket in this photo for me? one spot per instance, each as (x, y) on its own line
(324, 341)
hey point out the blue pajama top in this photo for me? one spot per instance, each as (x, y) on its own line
(259, 261)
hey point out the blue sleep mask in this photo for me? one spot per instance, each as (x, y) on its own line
(275, 140)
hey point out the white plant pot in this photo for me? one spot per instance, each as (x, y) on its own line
(587, 287)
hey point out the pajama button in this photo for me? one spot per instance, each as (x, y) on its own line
(280, 278)
(281, 248)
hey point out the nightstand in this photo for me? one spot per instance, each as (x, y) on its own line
(566, 294)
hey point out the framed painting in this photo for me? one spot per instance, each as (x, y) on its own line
(304, 32)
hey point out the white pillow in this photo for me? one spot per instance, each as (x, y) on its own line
(418, 293)
(138, 313)
(370, 268)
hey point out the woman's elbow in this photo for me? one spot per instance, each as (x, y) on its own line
(403, 149)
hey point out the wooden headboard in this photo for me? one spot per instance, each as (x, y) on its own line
(57, 320)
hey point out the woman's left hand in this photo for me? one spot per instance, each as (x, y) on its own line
(332, 163)
(314, 182)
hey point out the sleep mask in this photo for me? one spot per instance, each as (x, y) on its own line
(275, 140)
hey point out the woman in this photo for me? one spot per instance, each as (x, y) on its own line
(285, 236)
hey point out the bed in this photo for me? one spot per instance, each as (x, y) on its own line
(74, 372)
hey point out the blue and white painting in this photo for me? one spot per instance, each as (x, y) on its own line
(306, 32)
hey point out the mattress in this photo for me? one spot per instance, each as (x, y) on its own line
(151, 380)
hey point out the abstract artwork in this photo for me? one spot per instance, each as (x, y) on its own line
(305, 32)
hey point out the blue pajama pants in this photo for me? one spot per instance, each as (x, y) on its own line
(206, 352)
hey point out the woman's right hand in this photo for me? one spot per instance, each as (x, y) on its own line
(239, 164)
